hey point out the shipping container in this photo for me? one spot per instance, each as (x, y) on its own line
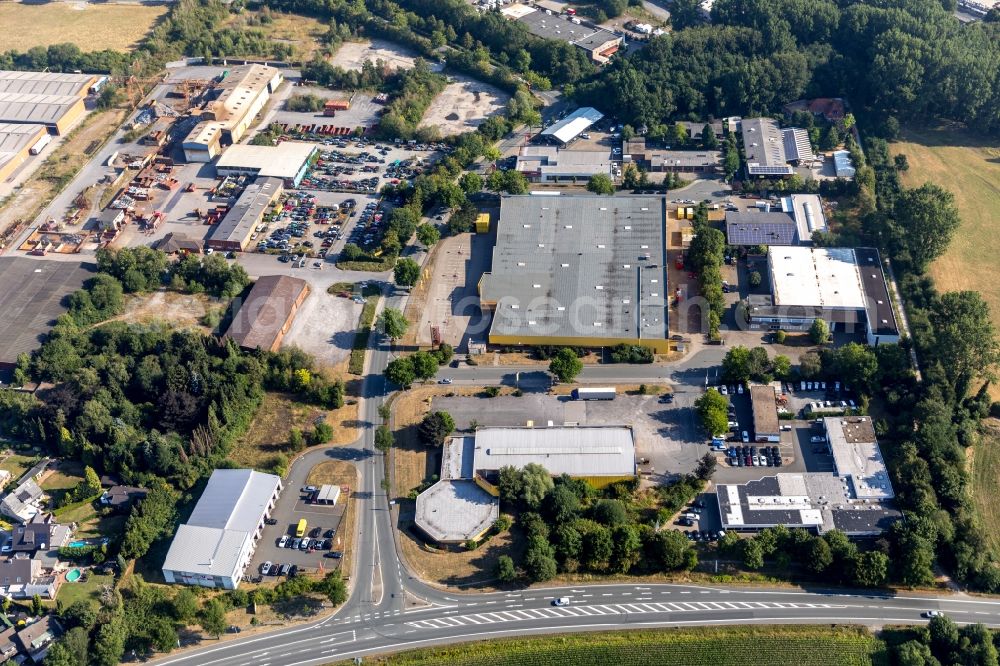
(604, 393)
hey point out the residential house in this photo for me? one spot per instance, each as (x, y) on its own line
(120, 498)
(41, 533)
(22, 577)
(8, 644)
(36, 638)
(22, 503)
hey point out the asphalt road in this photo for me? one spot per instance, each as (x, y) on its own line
(358, 631)
(390, 610)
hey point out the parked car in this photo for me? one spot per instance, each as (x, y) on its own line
(283, 541)
(265, 568)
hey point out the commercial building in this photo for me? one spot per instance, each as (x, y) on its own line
(52, 99)
(289, 161)
(674, 161)
(225, 120)
(844, 287)
(578, 270)
(16, 142)
(770, 150)
(765, 414)
(599, 43)
(215, 545)
(569, 128)
(463, 505)
(801, 216)
(856, 497)
(550, 164)
(234, 230)
(268, 311)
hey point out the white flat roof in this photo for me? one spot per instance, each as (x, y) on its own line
(281, 161)
(574, 450)
(823, 277)
(455, 510)
(206, 551)
(572, 125)
(857, 457)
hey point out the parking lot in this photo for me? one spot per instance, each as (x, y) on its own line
(453, 300)
(322, 520)
(667, 434)
(363, 112)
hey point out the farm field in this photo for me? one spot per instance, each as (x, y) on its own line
(968, 166)
(89, 26)
(728, 646)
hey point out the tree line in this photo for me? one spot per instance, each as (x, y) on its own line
(909, 59)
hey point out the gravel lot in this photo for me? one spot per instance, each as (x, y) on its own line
(324, 327)
(353, 55)
(463, 105)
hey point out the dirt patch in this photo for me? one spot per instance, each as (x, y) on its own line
(353, 55)
(181, 311)
(92, 27)
(278, 414)
(463, 105)
(302, 33)
(457, 567)
(324, 327)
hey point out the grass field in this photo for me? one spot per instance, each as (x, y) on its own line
(727, 646)
(89, 26)
(985, 472)
(968, 166)
(17, 465)
(88, 590)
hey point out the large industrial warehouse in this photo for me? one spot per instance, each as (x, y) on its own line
(215, 545)
(578, 270)
(16, 143)
(268, 311)
(52, 99)
(242, 95)
(463, 504)
(844, 287)
(233, 232)
(856, 497)
(289, 161)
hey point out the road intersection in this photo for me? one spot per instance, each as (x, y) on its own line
(391, 610)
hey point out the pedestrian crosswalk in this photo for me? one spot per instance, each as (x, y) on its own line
(638, 607)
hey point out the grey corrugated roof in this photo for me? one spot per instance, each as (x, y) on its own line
(238, 224)
(234, 499)
(205, 551)
(45, 83)
(586, 255)
(574, 450)
(764, 147)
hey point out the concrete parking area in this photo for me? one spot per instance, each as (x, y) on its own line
(324, 327)
(667, 434)
(363, 112)
(452, 303)
(321, 520)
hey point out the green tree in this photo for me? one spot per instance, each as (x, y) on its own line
(435, 428)
(753, 554)
(321, 433)
(601, 183)
(627, 547)
(915, 653)
(610, 512)
(470, 182)
(819, 558)
(781, 366)
(706, 467)
(539, 560)
(185, 606)
(630, 176)
(152, 518)
(296, 440)
(109, 642)
(213, 617)
(393, 323)
(334, 588)
(506, 571)
(510, 484)
(36, 606)
(755, 279)
(425, 364)
(561, 504)
(819, 332)
(736, 365)
(406, 272)
(70, 650)
(708, 139)
(536, 482)
(871, 569)
(383, 438)
(965, 341)
(670, 548)
(713, 410)
(565, 365)
(926, 219)
(428, 235)
(162, 633)
(400, 372)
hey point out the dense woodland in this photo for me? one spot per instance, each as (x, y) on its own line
(897, 60)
